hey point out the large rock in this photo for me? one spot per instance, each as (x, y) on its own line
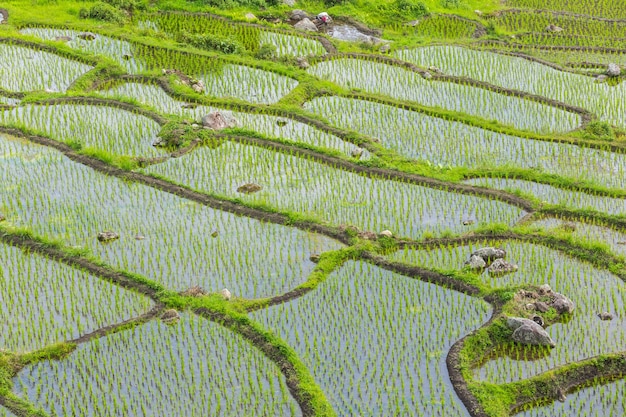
(297, 15)
(305, 25)
(107, 236)
(476, 262)
(562, 304)
(613, 70)
(527, 332)
(249, 188)
(219, 120)
(490, 254)
(554, 28)
(88, 36)
(501, 267)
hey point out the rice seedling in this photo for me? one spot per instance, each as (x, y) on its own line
(588, 231)
(45, 302)
(376, 341)
(444, 142)
(159, 232)
(612, 9)
(250, 37)
(245, 83)
(108, 128)
(592, 290)
(191, 368)
(598, 401)
(274, 126)
(572, 25)
(9, 101)
(399, 83)
(552, 195)
(5, 413)
(443, 27)
(289, 45)
(122, 52)
(532, 77)
(25, 69)
(304, 186)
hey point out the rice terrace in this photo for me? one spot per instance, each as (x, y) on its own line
(312, 208)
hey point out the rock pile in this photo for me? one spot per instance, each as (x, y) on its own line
(492, 259)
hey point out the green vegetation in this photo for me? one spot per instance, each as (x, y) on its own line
(311, 255)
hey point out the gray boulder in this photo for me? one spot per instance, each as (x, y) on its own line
(490, 253)
(562, 304)
(305, 25)
(613, 70)
(88, 36)
(554, 28)
(527, 332)
(501, 267)
(219, 120)
(297, 15)
(476, 262)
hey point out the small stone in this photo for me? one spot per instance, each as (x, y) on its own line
(434, 69)
(219, 120)
(305, 25)
(88, 36)
(170, 316)
(386, 233)
(195, 125)
(385, 48)
(426, 75)
(545, 289)
(140, 237)
(613, 70)
(501, 267)
(413, 23)
(107, 236)
(198, 86)
(530, 307)
(468, 222)
(478, 12)
(605, 316)
(195, 291)
(289, 3)
(368, 235)
(541, 306)
(297, 15)
(214, 234)
(562, 304)
(560, 395)
(249, 188)
(538, 320)
(601, 78)
(302, 62)
(357, 152)
(315, 258)
(250, 16)
(554, 28)
(476, 262)
(490, 253)
(226, 294)
(2, 218)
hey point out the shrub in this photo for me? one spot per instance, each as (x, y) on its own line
(599, 130)
(211, 42)
(266, 51)
(104, 12)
